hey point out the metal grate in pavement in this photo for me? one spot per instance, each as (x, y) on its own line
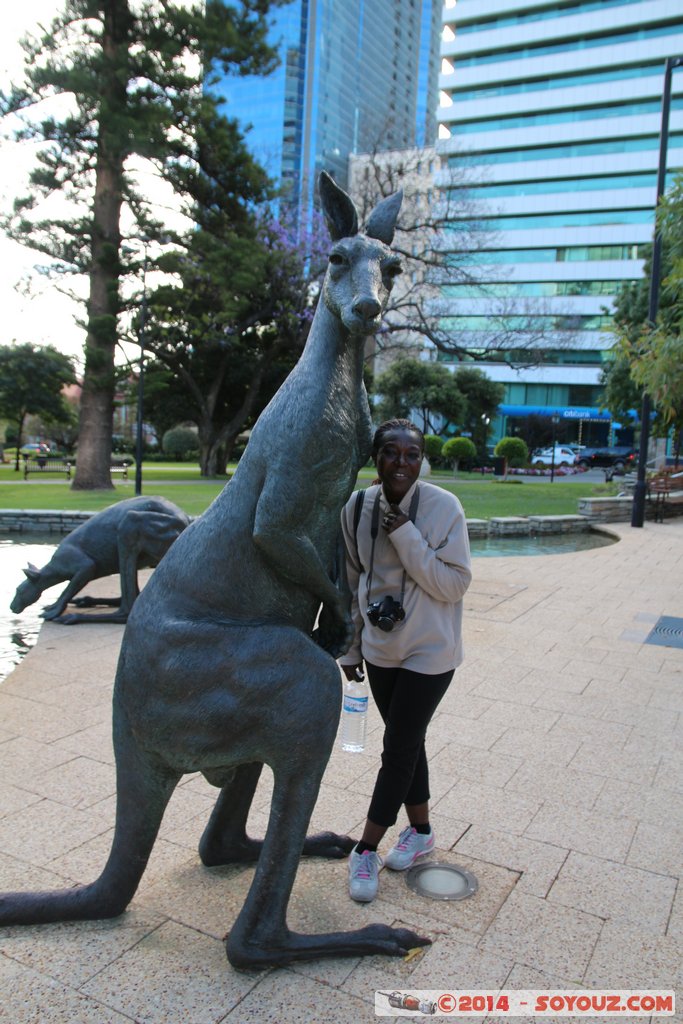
(667, 632)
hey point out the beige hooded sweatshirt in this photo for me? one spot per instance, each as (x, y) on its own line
(435, 553)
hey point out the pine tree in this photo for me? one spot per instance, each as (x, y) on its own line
(137, 77)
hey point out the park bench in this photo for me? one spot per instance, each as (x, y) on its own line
(44, 464)
(665, 495)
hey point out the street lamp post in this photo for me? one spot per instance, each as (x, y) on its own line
(638, 512)
(485, 420)
(141, 381)
(555, 420)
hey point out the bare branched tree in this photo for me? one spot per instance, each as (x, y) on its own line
(443, 239)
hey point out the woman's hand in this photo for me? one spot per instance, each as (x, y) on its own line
(394, 518)
(354, 673)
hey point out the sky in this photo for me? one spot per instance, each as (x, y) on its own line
(41, 315)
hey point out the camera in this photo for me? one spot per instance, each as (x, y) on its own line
(386, 613)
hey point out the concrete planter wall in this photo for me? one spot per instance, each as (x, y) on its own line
(44, 521)
(27, 521)
(607, 510)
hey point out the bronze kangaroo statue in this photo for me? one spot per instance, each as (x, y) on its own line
(133, 534)
(221, 670)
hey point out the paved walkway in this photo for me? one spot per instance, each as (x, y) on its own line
(557, 763)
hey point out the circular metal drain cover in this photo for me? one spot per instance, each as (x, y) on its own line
(441, 881)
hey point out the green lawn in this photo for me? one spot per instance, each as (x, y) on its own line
(181, 483)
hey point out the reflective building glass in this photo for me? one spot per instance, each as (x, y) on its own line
(354, 76)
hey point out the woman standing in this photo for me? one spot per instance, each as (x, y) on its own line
(408, 561)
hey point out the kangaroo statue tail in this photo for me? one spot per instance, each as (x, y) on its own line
(143, 791)
(79, 904)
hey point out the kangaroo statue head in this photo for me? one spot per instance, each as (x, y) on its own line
(362, 266)
(30, 590)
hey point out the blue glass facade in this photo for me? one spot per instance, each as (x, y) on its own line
(354, 76)
(270, 109)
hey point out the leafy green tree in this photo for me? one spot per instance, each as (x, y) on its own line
(64, 430)
(179, 442)
(31, 382)
(457, 450)
(135, 75)
(430, 387)
(433, 447)
(620, 393)
(165, 401)
(483, 396)
(653, 354)
(513, 450)
(232, 324)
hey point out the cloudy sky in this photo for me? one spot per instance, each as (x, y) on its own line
(44, 315)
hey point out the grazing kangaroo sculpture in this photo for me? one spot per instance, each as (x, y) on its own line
(221, 670)
(133, 534)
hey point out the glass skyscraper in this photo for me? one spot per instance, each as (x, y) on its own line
(553, 110)
(355, 76)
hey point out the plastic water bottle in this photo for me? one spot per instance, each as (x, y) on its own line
(354, 715)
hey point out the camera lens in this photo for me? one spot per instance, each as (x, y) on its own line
(386, 624)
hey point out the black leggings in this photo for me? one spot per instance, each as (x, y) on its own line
(406, 701)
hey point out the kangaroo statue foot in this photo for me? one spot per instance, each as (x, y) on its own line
(373, 940)
(225, 840)
(247, 850)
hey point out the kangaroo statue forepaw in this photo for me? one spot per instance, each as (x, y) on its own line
(334, 633)
(53, 611)
(328, 844)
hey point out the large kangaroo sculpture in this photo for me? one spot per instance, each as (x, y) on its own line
(133, 534)
(221, 670)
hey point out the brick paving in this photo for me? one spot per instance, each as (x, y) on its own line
(557, 765)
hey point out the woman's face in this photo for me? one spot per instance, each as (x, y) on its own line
(398, 463)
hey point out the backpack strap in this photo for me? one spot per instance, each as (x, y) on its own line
(357, 509)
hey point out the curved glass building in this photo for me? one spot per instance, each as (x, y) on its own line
(354, 76)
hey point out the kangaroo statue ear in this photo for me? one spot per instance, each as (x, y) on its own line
(340, 213)
(32, 573)
(382, 221)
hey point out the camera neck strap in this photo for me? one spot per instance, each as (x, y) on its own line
(374, 532)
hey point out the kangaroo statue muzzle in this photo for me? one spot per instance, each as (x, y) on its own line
(221, 669)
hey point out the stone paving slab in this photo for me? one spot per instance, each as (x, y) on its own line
(557, 768)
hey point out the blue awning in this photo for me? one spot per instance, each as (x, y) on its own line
(565, 412)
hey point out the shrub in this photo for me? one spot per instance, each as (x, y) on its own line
(178, 442)
(433, 448)
(457, 450)
(513, 449)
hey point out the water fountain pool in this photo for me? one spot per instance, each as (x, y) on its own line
(539, 544)
(18, 633)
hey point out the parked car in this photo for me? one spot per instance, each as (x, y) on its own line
(564, 456)
(33, 450)
(619, 457)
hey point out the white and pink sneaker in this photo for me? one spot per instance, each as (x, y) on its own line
(410, 846)
(364, 871)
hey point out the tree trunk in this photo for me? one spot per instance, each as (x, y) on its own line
(20, 430)
(208, 457)
(97, 398)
